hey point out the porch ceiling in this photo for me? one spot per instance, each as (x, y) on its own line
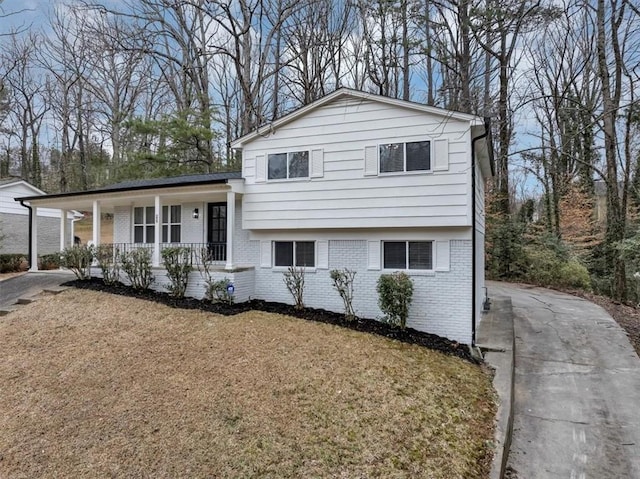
(108, 201)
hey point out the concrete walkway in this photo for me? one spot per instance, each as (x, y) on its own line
(30, 284)
(577, 389)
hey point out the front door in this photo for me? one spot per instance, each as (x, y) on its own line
(217, 231)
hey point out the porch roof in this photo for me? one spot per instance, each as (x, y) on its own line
(185, 185)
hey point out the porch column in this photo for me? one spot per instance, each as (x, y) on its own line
(157, 232)
(63, 229)
(231, 219)
(96, 223)
(33, 259)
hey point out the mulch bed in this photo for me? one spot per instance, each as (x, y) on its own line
(408, 335)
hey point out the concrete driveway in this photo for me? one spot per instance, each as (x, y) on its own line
(577, 389)
(29, 284)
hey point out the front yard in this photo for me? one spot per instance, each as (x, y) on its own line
(95, 385)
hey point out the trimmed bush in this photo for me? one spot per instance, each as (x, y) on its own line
(137, 266)
(395, 292)
(217, 291)
(107, 258)
(78, 259)
(294, 280)
(177, 262)
(49, 261)
(343, 283)
(11, 263)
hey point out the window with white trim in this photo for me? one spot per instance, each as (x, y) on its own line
(171, 223)
(144, 224)
(407, 255)
(281, 166)
(401, 157)
(294, 253)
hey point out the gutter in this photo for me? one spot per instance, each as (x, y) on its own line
(30, 230)
(474, 254)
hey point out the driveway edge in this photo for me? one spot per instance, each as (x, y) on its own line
(496, 339)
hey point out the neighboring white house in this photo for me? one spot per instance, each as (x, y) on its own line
(352, 180)
(14, 220)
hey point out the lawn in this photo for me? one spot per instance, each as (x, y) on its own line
(93, 385)
(84, 229)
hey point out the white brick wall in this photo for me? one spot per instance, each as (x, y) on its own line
(441, 301)
(122, 224)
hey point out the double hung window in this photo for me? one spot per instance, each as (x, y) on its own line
(144, 229)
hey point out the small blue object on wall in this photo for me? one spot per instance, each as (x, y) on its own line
(230, 288)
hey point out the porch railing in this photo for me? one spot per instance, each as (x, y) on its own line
(209, 252)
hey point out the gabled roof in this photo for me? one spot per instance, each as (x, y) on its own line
(132, 185)
(356, 94)
(6, 182)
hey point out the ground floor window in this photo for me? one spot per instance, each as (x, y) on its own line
(408, 255)
(171, 223)
(144, 224)
(294, 253)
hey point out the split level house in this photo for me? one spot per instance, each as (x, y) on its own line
(353, 180)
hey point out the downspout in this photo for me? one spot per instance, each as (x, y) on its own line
(30, 230)
(474, 253)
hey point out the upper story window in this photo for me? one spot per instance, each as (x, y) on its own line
(294, 253)
(408, 255)
(412, 156)
(144, 224)
(171, 223)
(294, 164)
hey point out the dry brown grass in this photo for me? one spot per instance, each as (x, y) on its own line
(93, 385)
(84, 229)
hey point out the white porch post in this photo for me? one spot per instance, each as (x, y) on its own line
(34, 239)
(157, 231)
(231, 219)
(63, 229)
(96, 223)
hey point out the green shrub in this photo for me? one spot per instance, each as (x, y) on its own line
(78, 259)
(395, 292)
(572, 274)
(294, 280)
(49, 261)
(543, 266)
(11, 263)
(177, 262)
(217, 291)
(137, 266)
(546, 268)
(107, 258)
(343, 283)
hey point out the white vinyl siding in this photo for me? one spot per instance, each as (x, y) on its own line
(351, 193)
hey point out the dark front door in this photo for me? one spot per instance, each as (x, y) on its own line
(217, 231)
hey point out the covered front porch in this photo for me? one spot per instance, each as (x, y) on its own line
(196, 214)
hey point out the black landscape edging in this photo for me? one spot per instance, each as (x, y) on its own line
(408, 335)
